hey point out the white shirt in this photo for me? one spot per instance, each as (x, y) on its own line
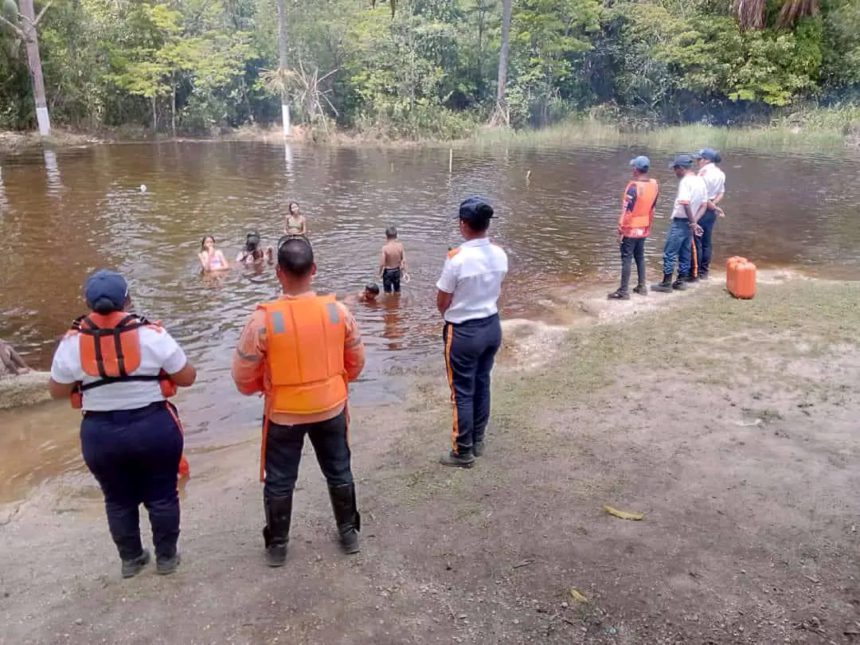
(158, 351)
(474, 274)
(692, 191)
(715, 179)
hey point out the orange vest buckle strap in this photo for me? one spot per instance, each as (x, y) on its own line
(110, 349)
(305, 371)
(637, 223)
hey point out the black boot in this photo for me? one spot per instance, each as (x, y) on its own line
(641, 289)
(680, 284)
(346, 515)
(666, 285)
(276, 533)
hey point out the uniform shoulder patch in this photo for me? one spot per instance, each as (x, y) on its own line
(453, 252)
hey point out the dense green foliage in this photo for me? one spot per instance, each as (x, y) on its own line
(427, 70)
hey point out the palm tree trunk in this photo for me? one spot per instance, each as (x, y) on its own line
(34, 62)
(501, 116)
(154, 115)
(282, 64)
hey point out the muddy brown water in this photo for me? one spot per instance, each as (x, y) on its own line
(66, 213)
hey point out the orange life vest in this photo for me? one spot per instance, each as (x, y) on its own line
(637, 222)
(305, 373)
(110, 350)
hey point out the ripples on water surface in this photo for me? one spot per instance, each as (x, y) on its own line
(64, 214)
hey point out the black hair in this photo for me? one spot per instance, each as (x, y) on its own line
(372, 287)
(391, 232)
(104, 306)
(296, 256)
(718, 158)
(290, 207)
(252, 241)
(478, 225)
(203, 241)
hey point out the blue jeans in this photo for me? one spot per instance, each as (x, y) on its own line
(134, 455)
(679, 246)
(704, 247)
(470, 351)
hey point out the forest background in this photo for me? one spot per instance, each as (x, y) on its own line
(430, 69)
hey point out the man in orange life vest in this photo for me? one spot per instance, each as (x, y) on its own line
(634, 226)
(120, 369)
(301, 351)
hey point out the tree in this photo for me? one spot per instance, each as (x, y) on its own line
(501, 115)
(25, 29)
(282, 65)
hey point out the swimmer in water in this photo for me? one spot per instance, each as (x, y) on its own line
(370, 293)
(295, 223)
(211, 258)
(253, 252)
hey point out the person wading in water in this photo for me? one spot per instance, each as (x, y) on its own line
(301, 351)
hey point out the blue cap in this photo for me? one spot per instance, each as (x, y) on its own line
(475, 208)
(106, 291)
(641, 163)
(683, 161)
(708, 153)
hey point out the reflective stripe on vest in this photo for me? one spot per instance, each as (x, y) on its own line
(304, 355)
(637, 223)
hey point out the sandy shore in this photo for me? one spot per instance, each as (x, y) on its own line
(732, 425)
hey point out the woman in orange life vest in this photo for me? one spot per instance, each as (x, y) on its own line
(119, 369)
(634, 226)
(301, 351)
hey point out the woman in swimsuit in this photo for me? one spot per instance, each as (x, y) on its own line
(211, 258)
(295, 223)
(253, 252)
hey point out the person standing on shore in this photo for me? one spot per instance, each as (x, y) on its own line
(301, 351)
(715, 182)
(634, 226)
(689, 206)
(467, 297)
(392, 262)
(120, 369)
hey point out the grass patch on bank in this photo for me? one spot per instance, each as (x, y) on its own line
(806, 130)
(709, 335)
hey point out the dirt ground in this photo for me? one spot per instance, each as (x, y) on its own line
(733, 426)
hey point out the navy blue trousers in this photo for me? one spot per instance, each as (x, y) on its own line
(284, 452)
(134, 455)
(470, 351)
(704, 244)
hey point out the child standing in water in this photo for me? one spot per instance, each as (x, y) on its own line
(295, 223)
(392, 263)
(211, 258)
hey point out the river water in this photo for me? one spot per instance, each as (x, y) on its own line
(66, 213)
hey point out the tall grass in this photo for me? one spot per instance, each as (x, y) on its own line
(810, 129)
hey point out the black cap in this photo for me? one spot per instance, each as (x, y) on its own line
(475, 209)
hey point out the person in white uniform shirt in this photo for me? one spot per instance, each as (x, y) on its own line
(689, 207)
(120, 369)
(715, 182)
(467, 298)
